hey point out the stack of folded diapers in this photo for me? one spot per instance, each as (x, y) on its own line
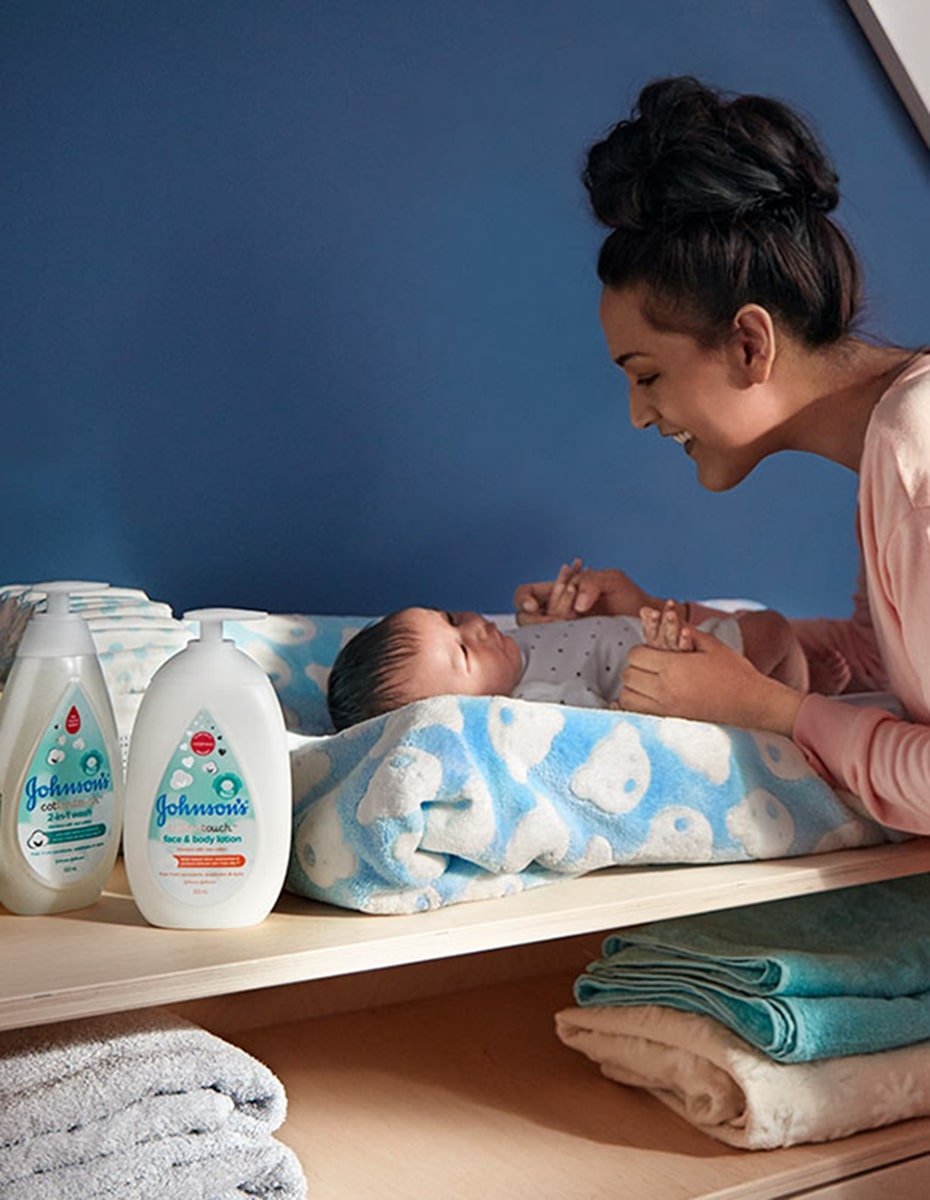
(133, 636)
(800, 1020)
(137, 1106)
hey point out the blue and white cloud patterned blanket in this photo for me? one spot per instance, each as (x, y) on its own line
(461, 798)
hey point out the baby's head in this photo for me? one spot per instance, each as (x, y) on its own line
(416, 653)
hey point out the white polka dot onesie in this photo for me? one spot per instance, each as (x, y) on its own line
(580, 662)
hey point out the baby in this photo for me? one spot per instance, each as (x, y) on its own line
(420, 652)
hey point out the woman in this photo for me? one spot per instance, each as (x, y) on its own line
(729, 301)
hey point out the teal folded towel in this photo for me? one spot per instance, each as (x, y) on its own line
(845, 972)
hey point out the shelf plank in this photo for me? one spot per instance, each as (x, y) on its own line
(473, 1095)
(105, 958)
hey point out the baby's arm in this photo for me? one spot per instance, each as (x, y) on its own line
(773, 648)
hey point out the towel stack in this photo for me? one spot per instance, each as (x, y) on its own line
(138, 1106)
(796, 1021)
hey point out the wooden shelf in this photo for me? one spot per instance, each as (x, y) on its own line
(105, 958)
(472, 1095)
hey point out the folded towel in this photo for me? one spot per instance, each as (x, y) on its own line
(727, 1089)
(863, 941)
(138, 1105)
(846, 972)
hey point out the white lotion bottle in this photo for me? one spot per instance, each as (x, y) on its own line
(207, 827)
(61, 778)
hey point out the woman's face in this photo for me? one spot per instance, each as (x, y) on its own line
(709, 400)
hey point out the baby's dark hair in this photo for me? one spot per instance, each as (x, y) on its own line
(718, 202)
(364, 680)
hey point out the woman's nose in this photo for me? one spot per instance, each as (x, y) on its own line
(642, 414)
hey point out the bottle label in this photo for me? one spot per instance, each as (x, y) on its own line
(67, 809)
(202, 829)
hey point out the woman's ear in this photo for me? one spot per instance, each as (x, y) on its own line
(753, 343)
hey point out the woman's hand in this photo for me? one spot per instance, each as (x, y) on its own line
(578, 591)
(713, 683)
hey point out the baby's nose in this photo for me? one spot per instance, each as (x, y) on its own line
(477, 625)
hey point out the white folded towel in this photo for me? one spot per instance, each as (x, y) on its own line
(138, 1106)
(735, 1093)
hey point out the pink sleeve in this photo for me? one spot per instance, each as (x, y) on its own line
(882, 760)
(853, 637)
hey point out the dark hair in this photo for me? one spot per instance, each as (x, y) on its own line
(716, 203)
(363, 681)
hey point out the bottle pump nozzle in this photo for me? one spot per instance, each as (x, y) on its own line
(211, 620)
(58, 631)
(58, 594)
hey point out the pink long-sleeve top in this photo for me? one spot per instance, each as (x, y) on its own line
(882, 759)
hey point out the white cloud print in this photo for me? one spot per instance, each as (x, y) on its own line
(522, 733)
(401, 784)
(781, 755)
(321, 848)
(617, 772)
(677, 834)
(704, 748)
(762, 824)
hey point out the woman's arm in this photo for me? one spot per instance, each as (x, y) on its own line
(579, 591)
(882, 761)
(714, 683)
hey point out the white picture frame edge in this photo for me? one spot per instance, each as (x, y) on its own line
(899, 32)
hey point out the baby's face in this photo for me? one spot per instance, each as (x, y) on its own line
(460, 653)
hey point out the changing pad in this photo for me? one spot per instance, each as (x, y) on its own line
(458, 798)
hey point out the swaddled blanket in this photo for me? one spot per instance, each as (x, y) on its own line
(730, 1090)
(136, 1106)
(846, 972)
(458, 798)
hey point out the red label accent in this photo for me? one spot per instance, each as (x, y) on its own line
(73, 720)
(224, 862)
(203, 743)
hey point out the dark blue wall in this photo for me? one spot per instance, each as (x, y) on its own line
(299, 307)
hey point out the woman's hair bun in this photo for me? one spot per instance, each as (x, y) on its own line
(689, 153)
(717, 201)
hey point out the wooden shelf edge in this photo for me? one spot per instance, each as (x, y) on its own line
(118, 962)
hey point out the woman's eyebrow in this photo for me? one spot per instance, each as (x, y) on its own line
(623, 359)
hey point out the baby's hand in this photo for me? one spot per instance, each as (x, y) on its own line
(664, 630)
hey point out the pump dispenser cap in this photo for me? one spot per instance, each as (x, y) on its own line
(211, 620)
(58, 632)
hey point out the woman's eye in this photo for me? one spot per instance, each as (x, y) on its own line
(647, 380)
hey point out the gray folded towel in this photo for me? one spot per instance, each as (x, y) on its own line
(139, 1106)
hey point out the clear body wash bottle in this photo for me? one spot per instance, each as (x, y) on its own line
(61, 783)
(208, 790)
